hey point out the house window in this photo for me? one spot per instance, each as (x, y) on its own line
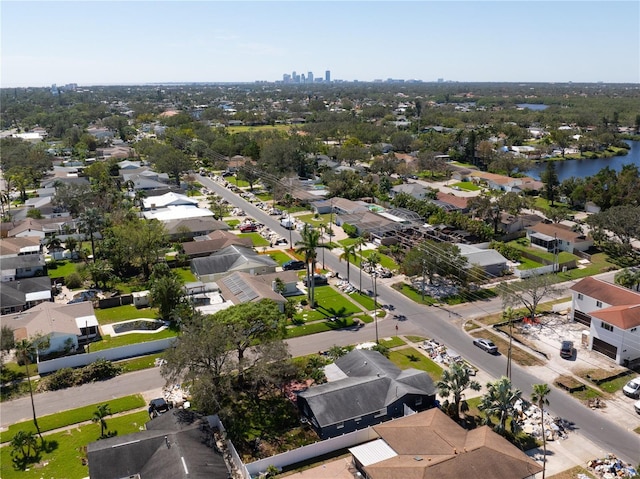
(419, 401)
(358, 419)
(580, 296)
(380, 413)
(606, 326)
(340, 425)
(599, 304)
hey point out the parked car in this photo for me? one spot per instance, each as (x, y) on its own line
(248, 227)
(632, 389)
(566, 349)
(636, 406)
(318, 280)
(292, 265)
(158, 405)
(486, 344)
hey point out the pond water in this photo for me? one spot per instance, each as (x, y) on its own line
(137, 325)
(533, 106)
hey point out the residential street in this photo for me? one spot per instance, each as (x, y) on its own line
(438, 323)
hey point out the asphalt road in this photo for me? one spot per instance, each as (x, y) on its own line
(437, 323)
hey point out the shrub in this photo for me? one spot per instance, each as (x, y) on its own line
(350, 230)
(73, 280)
(61, 379)
(99, 370)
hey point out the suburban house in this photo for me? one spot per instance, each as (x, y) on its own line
(16, 296)
(512, 224)
(612, 314)
(430, 444)
(13, 268)
(364, 389)
(450, 202)
(177, 444)
(212, 242)
(341, 206)
(545, 236)
(229, 260)
(491, 262)
(241, 287)
(185, 228)
(66, 325)
(167, 200)
(20, 246)
(415, 190)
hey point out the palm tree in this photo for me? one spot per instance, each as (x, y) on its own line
(307, 247)
(25, 350)
(99, 415)
(359, 242)
(348, 253)
(373, 261)
(53, 243)
(454, 381)
(500, 401)
(90, 222)
(539, 397)
(509, 315)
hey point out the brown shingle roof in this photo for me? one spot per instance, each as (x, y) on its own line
(457, 201)
(10, 246)
(213, 245)
(431, 445)
(562, 232)
(606, 292)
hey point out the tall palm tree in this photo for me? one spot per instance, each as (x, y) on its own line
(348, 253)
(373, 261)
(539, 397)
(25, 350)
(359, 242)
(455, 381)
(99, 415)
(500, 401)
(509, 315)
(90, 222)
(308, 248)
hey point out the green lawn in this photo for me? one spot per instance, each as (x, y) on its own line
(185, 274)
(410, 358)
(541, 203)
(264, 196)
(329, 302)
(73, 416)
(526, 263)
(292, 209)
(348, 241)
(321, 219)
(233, 224)
(109, 342)
(139, 363)
(65, 449)
(414, 295)
(61, 269)
(124, 313)
(563, 256)
(255, 238)
(319, 327)
(466, 186)
(279, 257)
(364, 300)
(599, 264)
(393, 342)
(385, 261)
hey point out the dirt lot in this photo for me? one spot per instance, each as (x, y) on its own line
(547, 336)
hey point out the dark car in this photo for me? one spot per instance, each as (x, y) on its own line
(486, 344)
(158, 406)
(566, 349)
(318, 280)
(292, 265)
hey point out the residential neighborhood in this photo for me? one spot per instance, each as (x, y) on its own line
(304, 294)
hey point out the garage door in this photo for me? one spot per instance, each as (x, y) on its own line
(605, 348)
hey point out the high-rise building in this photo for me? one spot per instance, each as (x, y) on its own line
(309, 77)
(327, 76)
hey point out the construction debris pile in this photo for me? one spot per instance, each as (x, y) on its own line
(610, 467)
(554, 427)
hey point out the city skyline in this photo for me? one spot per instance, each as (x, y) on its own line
(123, 42)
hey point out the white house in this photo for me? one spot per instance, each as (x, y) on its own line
(613, 316)
(544, 236)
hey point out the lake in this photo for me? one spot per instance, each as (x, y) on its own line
(533, 106)
(583, 168)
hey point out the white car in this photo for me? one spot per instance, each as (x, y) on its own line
(636, 406)
(632, 389)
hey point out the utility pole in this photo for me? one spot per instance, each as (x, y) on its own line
(374, 274)
(424, 267)
(556, 266)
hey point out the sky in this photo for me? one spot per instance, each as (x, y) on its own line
(126, 42)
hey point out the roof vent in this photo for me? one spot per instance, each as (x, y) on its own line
(417, 458)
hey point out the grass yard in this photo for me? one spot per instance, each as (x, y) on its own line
(279, 257)
(321, 219)
(65, 451)
(410, 358)
(264, 196)
(385, 261)
(329, 303)
(364, 300)
(607, 381)
(293, 208)
(139, 363)
(73, 416)
(185, 274)
(233, 224)
(245, 129)
(526, 263)
(414, 295)
(393, 342)
(61, 269)
(319, 327)
(124, 313)
(109, 342)
(563, 256)
(573, 473)
(257, 240)
(348, 241)
(466, 186)
(599, 264)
